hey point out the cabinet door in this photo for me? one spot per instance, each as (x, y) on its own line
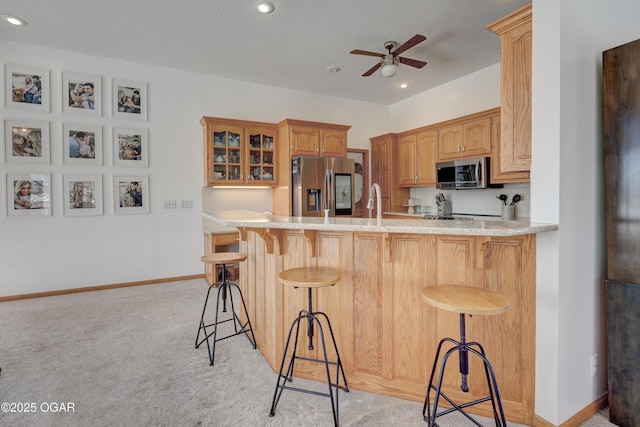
(477, 138)
(226, 151)
(498, 176)
(407, 160)
(516, 98)
(450, 142)
(426, 144)
(305, 141)
(261, 156)
(333, 143)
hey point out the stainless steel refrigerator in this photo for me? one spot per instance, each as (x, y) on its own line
(621, 99)
(319, 183)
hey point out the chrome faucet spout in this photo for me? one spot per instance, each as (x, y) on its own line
(375, 190)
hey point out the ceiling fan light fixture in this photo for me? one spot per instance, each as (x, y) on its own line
(389, 66)
(263, 6)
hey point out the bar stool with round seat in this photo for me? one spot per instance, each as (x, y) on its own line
(226, 290)
(310, 278)
(464, 300)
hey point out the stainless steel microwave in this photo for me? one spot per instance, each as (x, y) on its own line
(463, 174)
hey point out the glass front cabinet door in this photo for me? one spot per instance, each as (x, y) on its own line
(239, 152)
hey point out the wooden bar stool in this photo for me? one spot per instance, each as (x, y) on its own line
(225, 288)
(463, 300)
(310, 277)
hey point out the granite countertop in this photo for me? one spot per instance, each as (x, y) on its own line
(211, 227)
(250, 219)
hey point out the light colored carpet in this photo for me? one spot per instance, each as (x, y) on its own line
(126, 357)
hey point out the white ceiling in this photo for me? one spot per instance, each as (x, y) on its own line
(292, 47)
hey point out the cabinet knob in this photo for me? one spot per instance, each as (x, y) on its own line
(464, 148)
(458, 149)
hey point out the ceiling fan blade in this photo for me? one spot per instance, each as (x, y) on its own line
(366, 52)
(412, 62)
(409, 44)
(372, 70)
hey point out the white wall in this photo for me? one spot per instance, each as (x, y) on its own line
(50, 253)
(568, 39)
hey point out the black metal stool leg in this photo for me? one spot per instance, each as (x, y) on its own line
(313, 322)
(225, 291)
(463, 348)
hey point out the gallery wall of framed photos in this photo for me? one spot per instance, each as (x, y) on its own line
(87, 130)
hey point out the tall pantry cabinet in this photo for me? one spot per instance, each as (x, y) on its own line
(621, 102)
(384, 171)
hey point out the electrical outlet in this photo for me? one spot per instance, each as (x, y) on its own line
(594, 365)
(186, 204)
(169, 204)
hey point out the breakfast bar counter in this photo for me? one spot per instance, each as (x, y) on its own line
(386, 334)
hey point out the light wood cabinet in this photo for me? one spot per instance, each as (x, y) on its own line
(386, 333)
(316, 139)
(239, 152)
(515, 31)
(303, 138)
(417, 157)
(216, 242)
(384, 171)
(497, 175)
(468, 138)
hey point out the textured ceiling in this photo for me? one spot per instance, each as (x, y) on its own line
(292, 47)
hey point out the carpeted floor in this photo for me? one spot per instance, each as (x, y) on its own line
(126, 357)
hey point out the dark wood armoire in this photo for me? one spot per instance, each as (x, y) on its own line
(621, 98)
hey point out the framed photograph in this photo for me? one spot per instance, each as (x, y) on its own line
(131, 194)
(82, 144)
(82, 94)
(129, 99)
(26, 141)
(82, 195)
(28, 194)
(27, 88)
(130, 147)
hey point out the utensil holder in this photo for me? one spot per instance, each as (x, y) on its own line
(444, 208)
(508, 212)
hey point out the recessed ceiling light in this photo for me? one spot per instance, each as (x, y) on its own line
(405, 85)
(263, 6)
(14, 20)
(333, 69)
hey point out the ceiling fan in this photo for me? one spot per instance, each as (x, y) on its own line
(389, 61)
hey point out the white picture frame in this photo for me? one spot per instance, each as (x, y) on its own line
(19, 90)
(82, 195)
(130, 147)
(125, 201)
(26, 141)
(28, 194)
(82, 144)
(128, 99)
(82, 94)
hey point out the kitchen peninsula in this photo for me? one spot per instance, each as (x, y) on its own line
(386, 334)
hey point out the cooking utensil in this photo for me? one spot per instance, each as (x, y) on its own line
(516, 199)
(504, 198)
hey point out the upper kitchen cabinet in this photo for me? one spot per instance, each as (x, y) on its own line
(515, 31)
(497, 175)
(315, 139)
(238, 152)
(384, 171)
(417, 157)
(466, 137)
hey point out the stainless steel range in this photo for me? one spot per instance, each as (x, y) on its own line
(451, 218)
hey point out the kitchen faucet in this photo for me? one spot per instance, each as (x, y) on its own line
(375, 189)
